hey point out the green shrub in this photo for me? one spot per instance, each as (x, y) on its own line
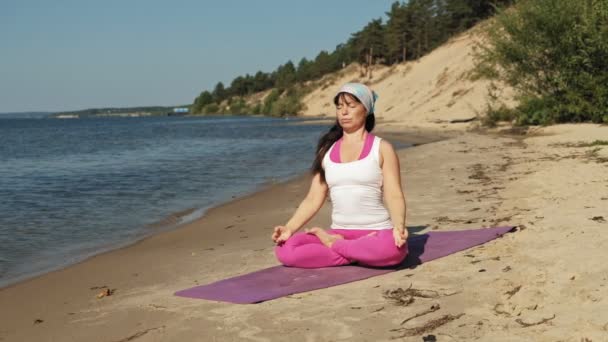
(286, 105)
(502, 113)
(555, 54)
(237, 106)
(269, 100)
(211, 108)
(257, 109)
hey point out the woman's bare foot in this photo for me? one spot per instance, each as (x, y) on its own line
(326, 238)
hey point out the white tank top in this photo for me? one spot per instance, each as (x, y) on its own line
(356, 191)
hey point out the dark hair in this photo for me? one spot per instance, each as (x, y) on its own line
(333, 135)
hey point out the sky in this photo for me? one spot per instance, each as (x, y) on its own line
(70, 55)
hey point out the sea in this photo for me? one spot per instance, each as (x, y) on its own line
(73, 188)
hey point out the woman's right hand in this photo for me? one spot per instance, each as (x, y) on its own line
(281, 234)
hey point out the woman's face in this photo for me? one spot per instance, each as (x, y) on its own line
(350, 113)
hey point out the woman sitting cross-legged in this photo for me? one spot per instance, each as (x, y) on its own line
(361, 172)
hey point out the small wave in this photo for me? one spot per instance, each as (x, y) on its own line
(177, 218)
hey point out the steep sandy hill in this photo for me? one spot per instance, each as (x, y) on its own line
(431, 92)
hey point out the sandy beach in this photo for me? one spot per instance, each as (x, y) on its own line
(545, 282)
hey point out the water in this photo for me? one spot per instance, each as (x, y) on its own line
(73, 188)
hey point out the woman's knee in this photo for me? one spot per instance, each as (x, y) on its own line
(390, 255)
(394, 255)
(284, 255)
(399, 254)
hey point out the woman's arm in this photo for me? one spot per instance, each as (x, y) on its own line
(306, 210)
(310, 205)
(393, 193)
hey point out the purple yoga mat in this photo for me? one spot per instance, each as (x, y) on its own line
(279, 281)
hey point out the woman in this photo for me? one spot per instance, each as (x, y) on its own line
(358, 169)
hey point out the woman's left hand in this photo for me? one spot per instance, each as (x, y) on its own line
(400, 236)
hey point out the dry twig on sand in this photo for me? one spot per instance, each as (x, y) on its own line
(406, 297)
(498, 311)
(542, 321)
(139, 334)
(428, 326)
(513, 292)
(433, 308)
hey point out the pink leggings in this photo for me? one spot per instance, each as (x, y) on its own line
(307, 251)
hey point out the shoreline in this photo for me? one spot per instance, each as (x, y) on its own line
(108, 249)
(400, 140)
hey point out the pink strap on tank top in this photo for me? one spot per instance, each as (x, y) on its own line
(367, 147)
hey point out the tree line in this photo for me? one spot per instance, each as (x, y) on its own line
(411, 30)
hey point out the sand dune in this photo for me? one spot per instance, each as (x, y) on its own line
(430, 92)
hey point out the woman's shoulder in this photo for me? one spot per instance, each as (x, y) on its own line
(384, 143)
(385, 149)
